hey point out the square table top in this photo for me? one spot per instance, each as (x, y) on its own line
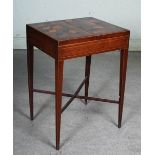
(77, 30)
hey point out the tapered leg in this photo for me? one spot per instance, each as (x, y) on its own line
(123, 67)
(30, 54)
(58, 98)
(87, 73)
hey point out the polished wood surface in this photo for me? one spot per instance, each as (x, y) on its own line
(73, 38)
(78, 30)
(77, 37)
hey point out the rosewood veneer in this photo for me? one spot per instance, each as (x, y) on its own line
(73, 38)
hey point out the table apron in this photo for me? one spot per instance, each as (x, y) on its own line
(93, 47)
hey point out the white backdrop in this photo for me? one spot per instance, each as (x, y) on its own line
(124, 13)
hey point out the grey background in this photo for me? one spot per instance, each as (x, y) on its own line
(90, 129)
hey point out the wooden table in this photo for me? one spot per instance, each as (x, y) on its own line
(73, 38)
